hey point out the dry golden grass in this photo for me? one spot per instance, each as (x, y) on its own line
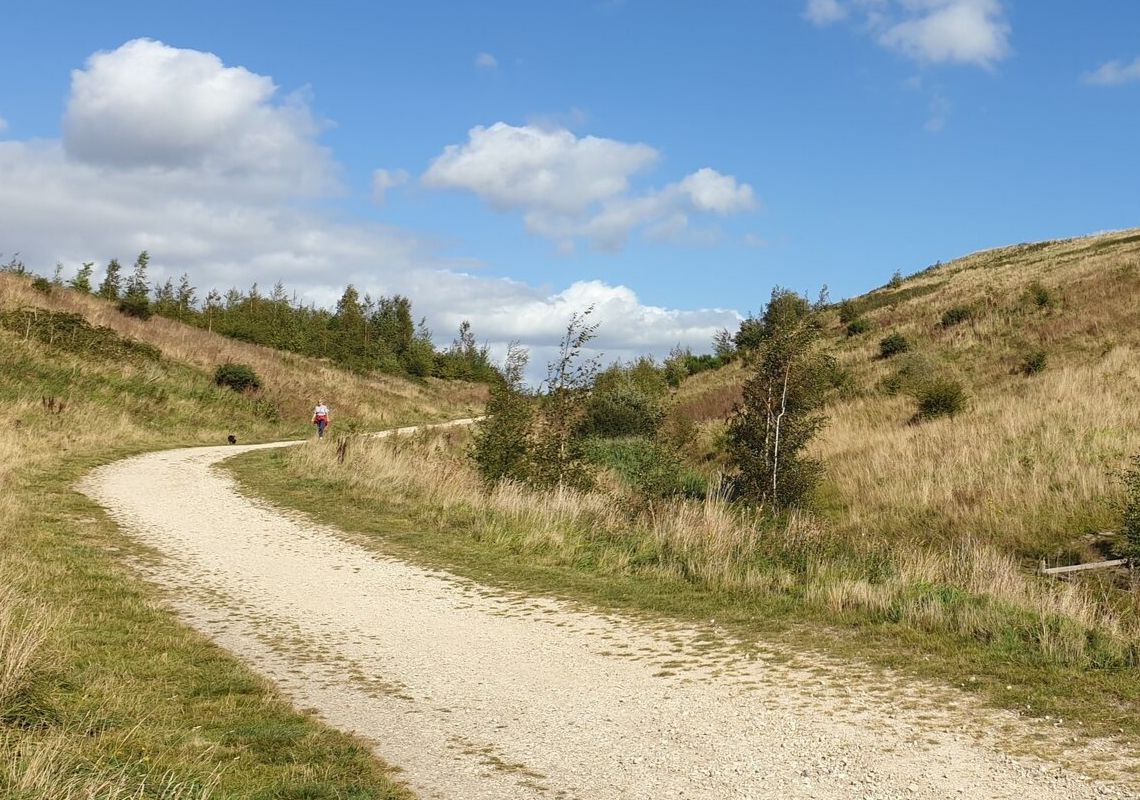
(1030, 468)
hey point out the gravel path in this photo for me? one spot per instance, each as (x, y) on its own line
(477, 694)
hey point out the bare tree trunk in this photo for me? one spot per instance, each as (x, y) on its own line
(779, 420)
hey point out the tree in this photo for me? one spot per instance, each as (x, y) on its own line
(112, 282)
(136, 301)
(213, 308)
(82, 280)
(185, 297)
(501, 445)
(558, 456)
(779, 413)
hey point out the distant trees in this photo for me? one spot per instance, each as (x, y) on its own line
(111, 285)
(136, 301)
(82, 280)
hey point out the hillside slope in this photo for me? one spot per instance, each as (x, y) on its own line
(1032, 464)
(102, 691)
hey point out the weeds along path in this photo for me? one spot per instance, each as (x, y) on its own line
(476, 694)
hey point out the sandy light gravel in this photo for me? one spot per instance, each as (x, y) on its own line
(479, 694)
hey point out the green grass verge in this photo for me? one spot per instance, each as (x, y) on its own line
(1000, 672)
(139, 695)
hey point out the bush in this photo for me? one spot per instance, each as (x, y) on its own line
(1035, 362)
(941, 397)
(41, 284)
(1040, 296)
(848, 312)
(622, 411)
(238, 377)
(858, 326)
(135, 307)
(893, 345)
(915, 371)
(896, 280)
(957, 315)
(647, 466)
(1130, 527)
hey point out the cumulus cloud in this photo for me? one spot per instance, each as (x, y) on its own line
(149, 106)
(228, 215)
(383, 180)
(486, 61)
(571, 187)
(972, 32)
(1114, 73)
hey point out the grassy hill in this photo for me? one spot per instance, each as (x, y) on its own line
(103, 693)
(1032, 463)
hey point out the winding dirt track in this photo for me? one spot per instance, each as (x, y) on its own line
(477, 694)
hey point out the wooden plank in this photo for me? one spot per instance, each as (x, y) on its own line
(1081, 567)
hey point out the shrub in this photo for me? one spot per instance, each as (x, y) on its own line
(238, 377)
(1130, 527)
(896, 280)
(858, 326)
(956, 315)
(893, 345)
(848, 312)
(1035, 362)
(41, 284)
(647, 466)
(915, 371)
(941, 397)
(622, 411)
(1040, 296)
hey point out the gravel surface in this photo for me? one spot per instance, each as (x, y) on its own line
(479, 694)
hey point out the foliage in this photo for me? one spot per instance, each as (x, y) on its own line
(940, 397)
(136, 301)
(41, 284)
(648, 466)
(849, 311)
(896, 280)
(111, 285)
(1035, 362)
(557, 454)
(1040, 296)
(779, 414)
(956, 315)
(859, 326)
(73, 333)
(82, 280)
(913, 372)
(239, 377)
(500, 449)
(1130, 523)
(724, 347)
(620, 410)
(893, 344)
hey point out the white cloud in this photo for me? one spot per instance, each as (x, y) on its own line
(227, 216)
(825, 12)
(148, 106)
(527, 166)
(972, 32)
(570, 187)
(486, 61)
(383, 180)
(1114, 73)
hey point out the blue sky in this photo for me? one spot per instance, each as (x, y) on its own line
(669, 162)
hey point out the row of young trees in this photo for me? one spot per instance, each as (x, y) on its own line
(361, 333)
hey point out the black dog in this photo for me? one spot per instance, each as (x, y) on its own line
(231, 439)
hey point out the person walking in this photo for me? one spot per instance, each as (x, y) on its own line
(321, 418)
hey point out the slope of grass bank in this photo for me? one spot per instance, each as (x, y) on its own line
(103, 692)
(968, 618)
